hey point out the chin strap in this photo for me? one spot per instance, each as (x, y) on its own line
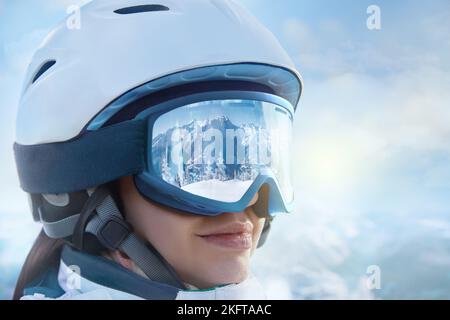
(101, 218)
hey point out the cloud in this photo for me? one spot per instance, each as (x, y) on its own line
(436, 225)
(64, 4)
(372, 151)
(328, 47)
(305, 250)
(364, 140)
(18, 53)
(369, 102)
(277, 288)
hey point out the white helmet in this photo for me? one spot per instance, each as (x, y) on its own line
(118, 48)
(89, 92)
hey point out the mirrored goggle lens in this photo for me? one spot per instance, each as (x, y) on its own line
(216, 149)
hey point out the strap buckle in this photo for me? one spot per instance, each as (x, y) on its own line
(113, 232)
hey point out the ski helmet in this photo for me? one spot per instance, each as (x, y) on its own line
(157, 92)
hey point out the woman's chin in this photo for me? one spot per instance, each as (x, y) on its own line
(223, 272)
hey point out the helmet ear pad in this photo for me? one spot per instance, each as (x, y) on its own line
(51, 209)
(56, 207)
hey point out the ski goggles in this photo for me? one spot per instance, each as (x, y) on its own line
(205, 153)
(211, 153)
(235, 143)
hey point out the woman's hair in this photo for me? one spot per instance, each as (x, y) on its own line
(45, 253)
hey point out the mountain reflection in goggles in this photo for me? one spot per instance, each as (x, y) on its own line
(216, 149)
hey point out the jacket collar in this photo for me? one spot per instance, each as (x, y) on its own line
(85, 272)
(89, 277)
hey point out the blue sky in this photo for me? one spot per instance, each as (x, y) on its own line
(372, 147)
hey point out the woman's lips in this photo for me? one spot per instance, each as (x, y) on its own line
(241, 241)
(234, 236)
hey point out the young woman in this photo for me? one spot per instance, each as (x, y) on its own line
(154, 145)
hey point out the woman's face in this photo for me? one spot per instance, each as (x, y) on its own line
(204, 251)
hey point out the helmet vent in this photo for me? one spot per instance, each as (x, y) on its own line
(47, 65)
(142, 8)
